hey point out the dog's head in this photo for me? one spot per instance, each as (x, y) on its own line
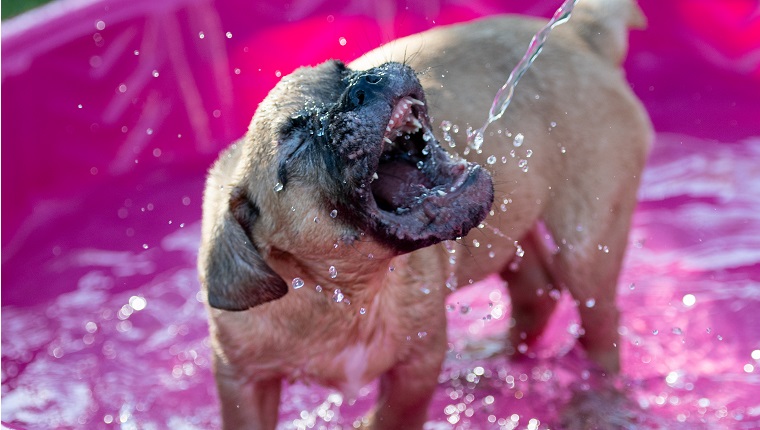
(354, 149)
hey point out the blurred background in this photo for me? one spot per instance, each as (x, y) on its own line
(112, 111)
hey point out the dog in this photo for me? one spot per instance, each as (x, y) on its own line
(334, 230)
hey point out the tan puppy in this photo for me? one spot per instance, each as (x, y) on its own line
(316, 253)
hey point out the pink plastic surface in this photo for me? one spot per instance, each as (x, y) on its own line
(112, 111)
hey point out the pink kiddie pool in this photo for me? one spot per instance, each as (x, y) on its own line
(112, 111)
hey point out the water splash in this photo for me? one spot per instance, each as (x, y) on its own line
(506, 92)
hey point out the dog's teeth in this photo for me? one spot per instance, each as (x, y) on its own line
(374, 176)
(387, 140)
(416, 102)
(415, 122)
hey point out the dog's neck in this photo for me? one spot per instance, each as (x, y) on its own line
(359, 279)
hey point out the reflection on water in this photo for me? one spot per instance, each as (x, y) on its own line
(100, 356)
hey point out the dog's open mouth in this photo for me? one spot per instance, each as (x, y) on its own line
(422, 195)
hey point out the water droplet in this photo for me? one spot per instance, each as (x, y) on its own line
(632, 287)
(338, 296)
(149, 131)
(278, 187)
(297, 283)
(518, 141)
(201, 35)
(655, 332)
(689, 300)
(755, 354)
(491, 159)
(529, 153)
(475, 243)
(318, 288)
(677, 331)
(391, 268)
(421, 334)
(362, 311)
(334, 213)
(446, 126)
(370, 256)
(145, 246)
(138, 303)
(100, 25)
(520, 251)
(155, 73)
(451, 281)
(464, 309)
(523, 348)
(553, 124)
(342, 41)
(333, 272)
(228, 34)
(420, 165)
(137, 52)
(477, 140)
(79, 106)
(590, 303)
(316, 220)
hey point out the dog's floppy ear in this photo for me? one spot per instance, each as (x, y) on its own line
(237, 278)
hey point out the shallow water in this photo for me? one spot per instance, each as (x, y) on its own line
(122, 339)
(101, 325)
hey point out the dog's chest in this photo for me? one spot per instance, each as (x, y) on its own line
(355, 361)
(350, 354)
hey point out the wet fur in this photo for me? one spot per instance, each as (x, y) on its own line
(257, 241)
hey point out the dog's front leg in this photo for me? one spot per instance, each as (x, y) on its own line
(246, 404)
(407, 388)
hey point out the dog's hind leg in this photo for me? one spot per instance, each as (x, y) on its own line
(531, 290)
(588, 264)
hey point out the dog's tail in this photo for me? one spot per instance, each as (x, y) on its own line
(604, 25)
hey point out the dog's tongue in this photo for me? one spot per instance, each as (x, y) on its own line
(397, 184)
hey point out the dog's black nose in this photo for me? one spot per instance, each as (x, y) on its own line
(364, 88)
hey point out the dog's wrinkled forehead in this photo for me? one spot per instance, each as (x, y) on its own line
(311, 89)
(307, 88)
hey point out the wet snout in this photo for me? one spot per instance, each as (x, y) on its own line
(386, 84)
(365, 88)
